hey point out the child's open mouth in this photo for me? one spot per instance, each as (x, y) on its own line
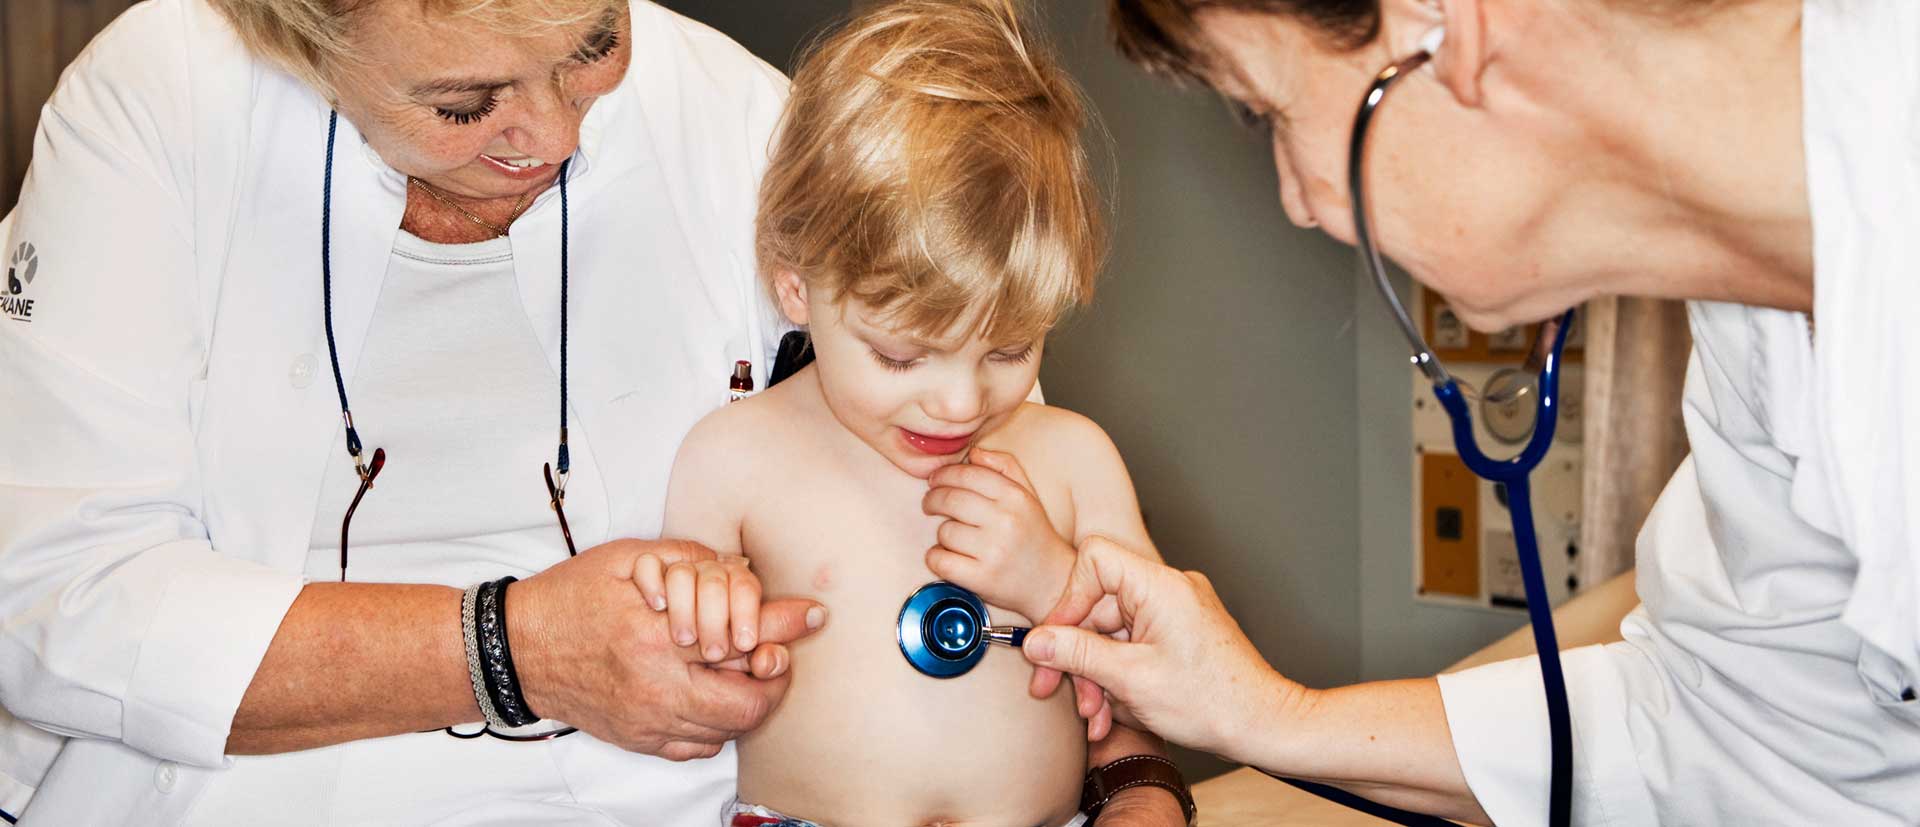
(937, 446)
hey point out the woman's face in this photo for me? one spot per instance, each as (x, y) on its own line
(472, 111)
(1463, 197)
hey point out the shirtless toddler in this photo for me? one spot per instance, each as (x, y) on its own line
(928, 216)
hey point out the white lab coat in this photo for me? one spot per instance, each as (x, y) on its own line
(1767, 676)
(168, 406)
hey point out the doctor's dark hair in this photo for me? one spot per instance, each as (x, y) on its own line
(1164, 37)
(929, 164)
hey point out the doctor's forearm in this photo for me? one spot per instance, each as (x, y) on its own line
(353, 661)
(1387, 741)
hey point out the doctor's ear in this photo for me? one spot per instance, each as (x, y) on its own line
(1454, 31)
(792, 292)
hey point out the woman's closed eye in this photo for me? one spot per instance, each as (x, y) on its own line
(463, 115)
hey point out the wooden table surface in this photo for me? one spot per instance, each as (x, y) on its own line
(1246, 798)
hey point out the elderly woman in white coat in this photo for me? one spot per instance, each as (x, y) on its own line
(202, 246)
(1760, 158)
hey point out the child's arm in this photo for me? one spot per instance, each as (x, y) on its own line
(716, 603)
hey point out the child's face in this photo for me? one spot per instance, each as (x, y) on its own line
(920, 404)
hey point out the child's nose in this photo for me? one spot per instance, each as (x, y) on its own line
(957, 402)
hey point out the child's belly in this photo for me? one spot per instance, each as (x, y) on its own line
(863, 739)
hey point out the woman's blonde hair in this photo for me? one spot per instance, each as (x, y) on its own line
(929, 164)
(311, 38)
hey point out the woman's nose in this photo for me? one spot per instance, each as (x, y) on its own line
(1293, 198)
(550, 129)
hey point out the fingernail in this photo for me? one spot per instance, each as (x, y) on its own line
(779, 665)
(816, 617)
(743, 639)
(659, 604)
(714, 652)
(683, 638)
(1040, 646)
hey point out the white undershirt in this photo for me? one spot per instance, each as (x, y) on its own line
(453, 384)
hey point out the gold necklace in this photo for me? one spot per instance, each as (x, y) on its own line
(498, 231)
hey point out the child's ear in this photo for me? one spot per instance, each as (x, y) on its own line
(792, 291)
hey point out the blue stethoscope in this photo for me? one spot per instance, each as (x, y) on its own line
(943, 628)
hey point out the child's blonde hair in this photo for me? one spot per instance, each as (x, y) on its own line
(929, 164)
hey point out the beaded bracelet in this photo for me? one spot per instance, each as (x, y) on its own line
(496, 656)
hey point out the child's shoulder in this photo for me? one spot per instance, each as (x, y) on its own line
(1046, 435)
(747, 429)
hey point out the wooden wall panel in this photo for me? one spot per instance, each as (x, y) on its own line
(38, 38)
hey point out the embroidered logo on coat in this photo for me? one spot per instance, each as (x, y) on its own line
(21, 268)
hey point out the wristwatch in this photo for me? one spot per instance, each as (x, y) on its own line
(1134, 771)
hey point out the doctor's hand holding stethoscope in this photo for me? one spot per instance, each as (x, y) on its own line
(1536, 154)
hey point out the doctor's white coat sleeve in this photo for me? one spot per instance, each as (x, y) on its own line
(118, 618)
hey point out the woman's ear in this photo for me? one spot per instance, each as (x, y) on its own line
(792, 292)
(1462, 53)
(1454, 31)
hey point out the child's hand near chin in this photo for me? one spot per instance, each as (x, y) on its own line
(997, 540)
(713, 605)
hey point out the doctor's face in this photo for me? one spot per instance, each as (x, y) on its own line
(1465, 198)
(919, 403)
(470, 110)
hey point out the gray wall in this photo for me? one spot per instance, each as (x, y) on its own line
(775, 30)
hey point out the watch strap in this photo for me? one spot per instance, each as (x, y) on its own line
(1105, 782)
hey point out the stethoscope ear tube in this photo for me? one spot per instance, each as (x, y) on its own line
(1512, 473)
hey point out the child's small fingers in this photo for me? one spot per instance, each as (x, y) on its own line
(682, 599)
(961, 504)
(710, 618)
(959, 537)
(1007, 464)
(743, 600)
(951, 565)
(735, 664)
(649, 573)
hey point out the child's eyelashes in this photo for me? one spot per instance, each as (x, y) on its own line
(1018, 357)
(890, 363)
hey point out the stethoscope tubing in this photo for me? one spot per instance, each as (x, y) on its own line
(1511, 473)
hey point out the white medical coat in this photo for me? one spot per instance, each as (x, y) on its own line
(167, 405)
(1768, 676)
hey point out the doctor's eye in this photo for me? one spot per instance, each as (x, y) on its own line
(467, 115)
(1250, 117)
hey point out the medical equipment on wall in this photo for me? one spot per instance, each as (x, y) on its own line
(943, 630)
(1511, 474)
(1464, 550)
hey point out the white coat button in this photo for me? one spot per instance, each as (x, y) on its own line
(300, 374)
(165, 777)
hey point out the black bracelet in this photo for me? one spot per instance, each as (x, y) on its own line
(496, 656)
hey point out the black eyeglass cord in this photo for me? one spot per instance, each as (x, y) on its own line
(564, 460)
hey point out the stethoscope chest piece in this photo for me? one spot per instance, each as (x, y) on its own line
(943, 630)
